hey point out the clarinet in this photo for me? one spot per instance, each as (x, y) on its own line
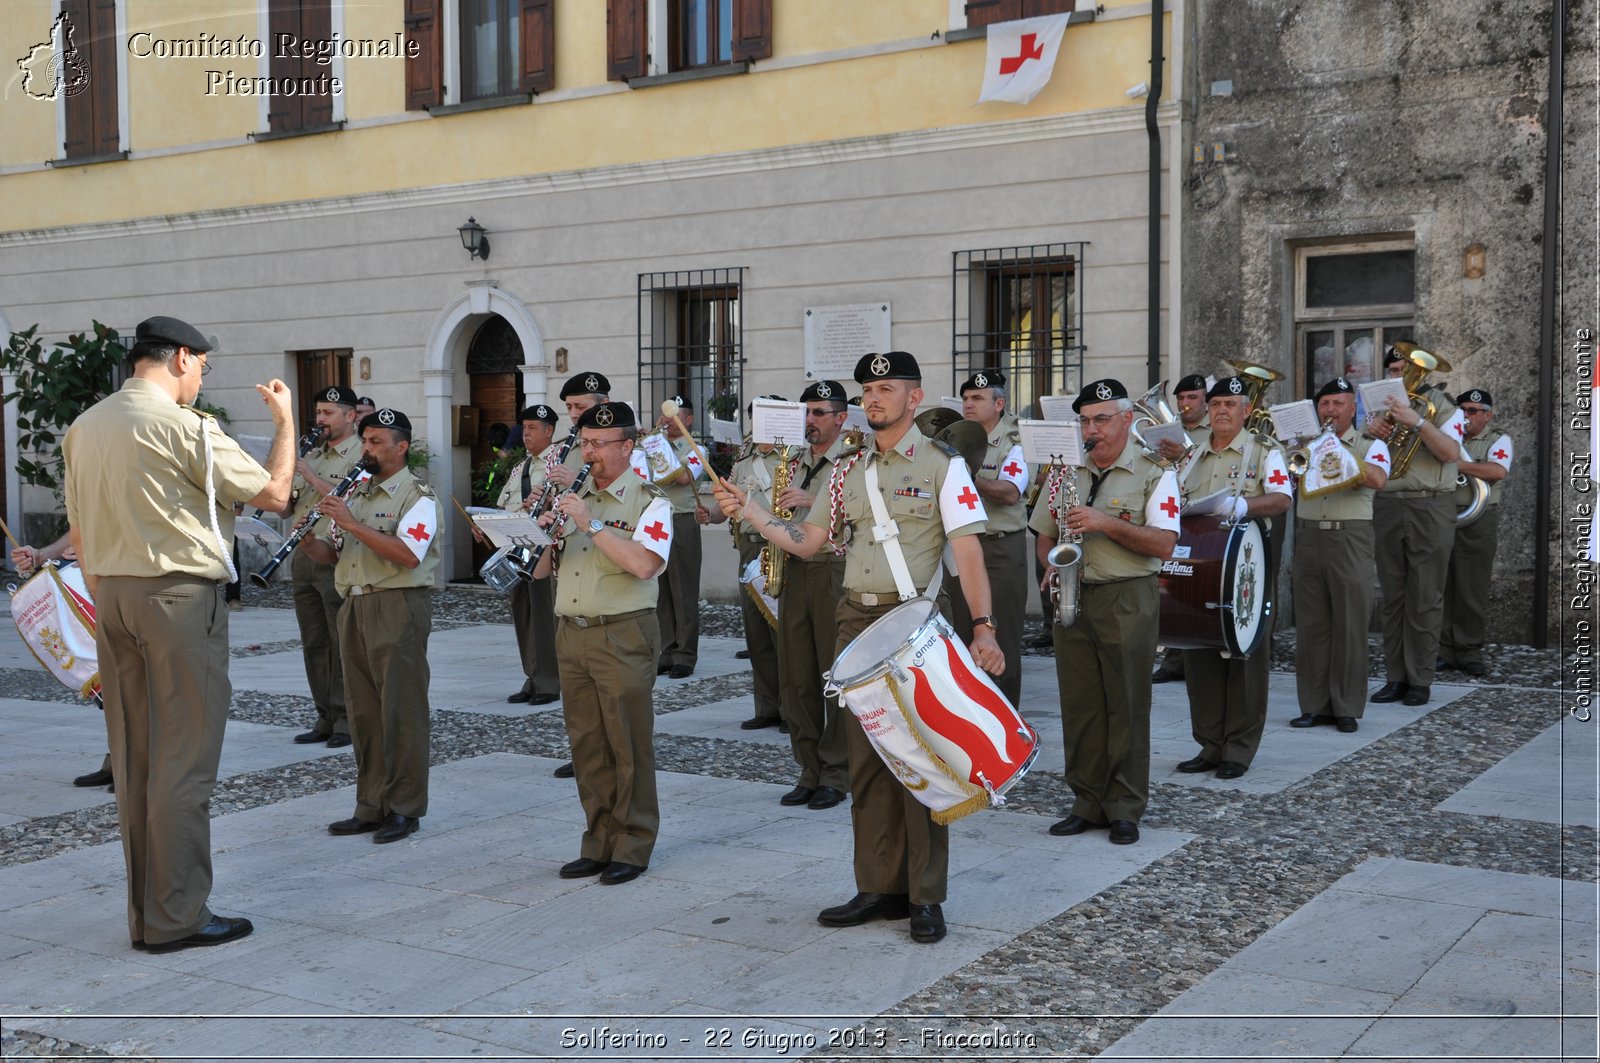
(340, 490)
(549, 485)
(538, 551)
(311, 439)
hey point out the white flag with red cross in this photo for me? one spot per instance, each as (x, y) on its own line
(1021, 58)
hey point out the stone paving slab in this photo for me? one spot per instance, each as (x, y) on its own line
(1554, 778)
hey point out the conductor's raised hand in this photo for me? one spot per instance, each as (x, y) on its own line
(275, 393)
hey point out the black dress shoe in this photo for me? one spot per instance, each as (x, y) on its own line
(1415, 696)
(798, 796)
(927, 923)
(310, 737)
(353, 825)
(663, 669)
(1124, 832)
(617, 873)
(1074, 824)
(94, 778)
(583, 867)
(1475, 669)
(1163, 676)
(1196, 765)
(826, 797)
(1230, 769)
(742, 655)
(1347, 725)
(680, 671)
(864, 906)
(543, 699)
(756, 723)
(338, 741)
(220, 929)
(1310, 720)
(396, 827)
(1389, 692)
(519, 698)
(565, 771)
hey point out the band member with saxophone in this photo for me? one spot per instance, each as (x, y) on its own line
(532, 607)
(316, 602)
(1123, 508)
(1002, 483)
(150, 487)
(1414, 517)
(901, 856)
(1228, 696)
(615, 536)
(1189, 396)
(384, 549)
(1332, 574)
(1486, 455)
(679, 605)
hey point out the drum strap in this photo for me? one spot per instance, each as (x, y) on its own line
(527, 476)
(887, 534)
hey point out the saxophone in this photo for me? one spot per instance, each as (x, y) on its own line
(773, 559)
(1066, 557)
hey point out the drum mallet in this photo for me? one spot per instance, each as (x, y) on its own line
(670, 409)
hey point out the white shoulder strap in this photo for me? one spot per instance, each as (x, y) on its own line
(211, 501)
(887, 533)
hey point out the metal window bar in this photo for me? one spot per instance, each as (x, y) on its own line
(993, 295)
(691, 344)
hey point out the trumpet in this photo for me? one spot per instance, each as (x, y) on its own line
(1405, 439)
(1066, 557)
(313, 515)
(538, 551)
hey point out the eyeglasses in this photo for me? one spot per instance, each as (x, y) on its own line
(1102, 420)
(595, 444)
(1475, 409)
(205, 360)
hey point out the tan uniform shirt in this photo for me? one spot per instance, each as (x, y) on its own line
(386, 506)
(682, 496)
(753, 472)
(818, 470)
(512, 495)
(1136, 490)
(1211, 471)
(331, 462)
(927, 491)
(1352, 503)
(1002, 460)
(136, 486)
(1495, 447)
(1426, 472)
(588, 583)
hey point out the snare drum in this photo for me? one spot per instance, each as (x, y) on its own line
(503, 570)
(55, 617)
(937, 720)
(755, 585)
(1214, 587)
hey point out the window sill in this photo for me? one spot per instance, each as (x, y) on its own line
(698, 73)
(286, 134)
(87, 160)
(975, 33)
(488, 103)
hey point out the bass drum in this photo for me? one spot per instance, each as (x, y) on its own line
(1214, 588)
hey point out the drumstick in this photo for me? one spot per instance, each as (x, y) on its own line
(670, 409)
(464, 513)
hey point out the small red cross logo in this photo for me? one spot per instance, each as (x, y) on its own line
(1460, 428)
(1014, 469)
(1031, 49)
(656, 531)
(1501, 454)
(1380, 459)
(1170, 506)
(1277, 477)
(968, 498)
(419, 533)
(694, 459)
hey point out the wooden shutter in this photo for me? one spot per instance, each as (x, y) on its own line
(627, 40)
(425, 73)
(316, 24)
(538, 46)
(284, 112)
(80, 109)
(91, 114)
(752, 29)
(987, 12)
(1035, 8)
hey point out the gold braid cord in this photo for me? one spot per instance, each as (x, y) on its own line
(978, 797)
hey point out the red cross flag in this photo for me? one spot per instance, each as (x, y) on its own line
(1022, 56)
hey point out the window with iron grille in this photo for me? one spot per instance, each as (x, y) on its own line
(691, 343)
(1020, 310)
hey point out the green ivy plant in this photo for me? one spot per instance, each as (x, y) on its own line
(489, 478)
(52, 388)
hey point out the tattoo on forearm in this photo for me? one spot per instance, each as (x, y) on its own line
(796, 533)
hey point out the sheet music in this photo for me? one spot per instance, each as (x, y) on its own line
(1051, 442)
(1375, 393)
(1158, 433)
(511, 529)
(1296, 421)
(856, 417)
(725, 432)
(772, 421)
(1217, 503)
(952, 404)
(1057, 407)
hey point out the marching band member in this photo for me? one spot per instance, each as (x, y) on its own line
(1127, 514)
(532, 608)
(384, 566)
(1189, 396)
(150, 488)
(1333, 558)
(1487, 456)
(608, 640)
(901, 855)
(1228, 696)
(679, 603)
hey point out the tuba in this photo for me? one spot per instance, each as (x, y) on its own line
(1476, 504)
(773, 558)
(1150, 410)
(1066, 557)
(1405, 439)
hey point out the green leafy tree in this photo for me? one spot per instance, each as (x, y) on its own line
(52, 388)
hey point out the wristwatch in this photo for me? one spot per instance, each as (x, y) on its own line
(987, 621)
(595, 527)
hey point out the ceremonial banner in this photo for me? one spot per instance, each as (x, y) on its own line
(55, 617)
(1021, 58)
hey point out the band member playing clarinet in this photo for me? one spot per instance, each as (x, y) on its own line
(615, 537)
(532, 609)
(384, 549)
(927, 498)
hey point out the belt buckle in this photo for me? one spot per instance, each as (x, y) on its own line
(869, 599)
(581, 621)
(1326, 525)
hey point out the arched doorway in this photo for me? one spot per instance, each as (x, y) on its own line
(495, 391)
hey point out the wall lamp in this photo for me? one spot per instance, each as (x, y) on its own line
(475, 238)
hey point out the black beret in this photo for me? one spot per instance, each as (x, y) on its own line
(586, 384)
(366, 400)
(1476, 395)
(342, 396)
(386, 418)
(608, 415)
(983, 378)
(1337, 386)
(541, 412)
(823, 391)
(1228, 386)
(892, 365)
(682, 403)
(1099, 391)
(1390, 356)
(1192, 382)
(171, 330)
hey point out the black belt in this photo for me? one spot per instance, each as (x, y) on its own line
(602, 621)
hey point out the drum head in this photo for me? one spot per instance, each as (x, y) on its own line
(1245, 588)
(869, 652)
